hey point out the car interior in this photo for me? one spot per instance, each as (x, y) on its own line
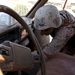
(18, 40)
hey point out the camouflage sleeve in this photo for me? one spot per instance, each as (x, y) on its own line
(66, 16)
(59, 41)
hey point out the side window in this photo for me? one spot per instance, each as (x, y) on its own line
(70, 6)
(58, 3)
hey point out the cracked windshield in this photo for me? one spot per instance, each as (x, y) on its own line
(22, 7)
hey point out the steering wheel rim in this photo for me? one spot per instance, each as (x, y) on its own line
(30, 32)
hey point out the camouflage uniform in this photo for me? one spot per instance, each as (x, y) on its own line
(63, 34)
(64, 23)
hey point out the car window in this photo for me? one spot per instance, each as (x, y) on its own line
(70, 6)
(60, 4)
(22, 7)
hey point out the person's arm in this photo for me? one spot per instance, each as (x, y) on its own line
(67, 18)
(59, 41)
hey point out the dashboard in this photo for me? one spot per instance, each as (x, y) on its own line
(15, 33)
(12, 34)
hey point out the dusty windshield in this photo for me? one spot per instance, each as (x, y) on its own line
(22, 7)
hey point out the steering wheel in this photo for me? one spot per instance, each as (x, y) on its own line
(30, 32)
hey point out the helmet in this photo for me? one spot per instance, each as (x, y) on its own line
(47, 17)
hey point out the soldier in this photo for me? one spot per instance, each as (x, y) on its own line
(59, 24)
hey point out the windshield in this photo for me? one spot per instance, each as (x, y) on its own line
(22, 7)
